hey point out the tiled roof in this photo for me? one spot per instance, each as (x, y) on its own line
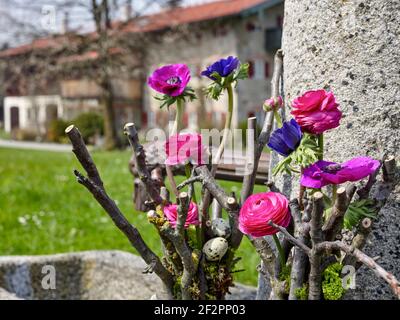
(183, 15)
(158, 21)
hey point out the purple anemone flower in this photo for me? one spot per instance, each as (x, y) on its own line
(170, 79)
(223, 67)
(322, 173)
(286, 139)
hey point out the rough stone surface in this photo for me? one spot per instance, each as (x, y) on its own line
(5, 295)
(86, 275)
(353, 48)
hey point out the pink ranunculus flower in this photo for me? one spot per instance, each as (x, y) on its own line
(171, 212)
(170, 79)
(322, 173)
(316, 111)
(185, 147)
(259, 209)
(273, 103)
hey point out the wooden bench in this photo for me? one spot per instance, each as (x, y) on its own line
(226, 171)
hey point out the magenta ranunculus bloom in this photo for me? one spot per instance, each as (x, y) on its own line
(259, 209)
(185, 147)
(170, 79)
(323, 172)
(171, 212)
(316, 111)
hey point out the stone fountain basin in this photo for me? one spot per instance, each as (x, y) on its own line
(87, 275)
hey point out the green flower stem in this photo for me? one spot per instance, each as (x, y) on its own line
(188, 175)
(178, 117)
(334, 194)
(198, 228)
(321, 145)
(278, 118)
(187, 170)
(280, 251)
(175, 130)
(217, 158)
(227, 127)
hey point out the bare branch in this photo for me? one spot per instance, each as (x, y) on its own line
(389, 169)
(359, 241)
(128, 229)
(272, 186)
(266, 254)
(140, 163)
(182, 213)
(292, 239)
(188, 181)
(217, 192)
(83, 155)
(366, 260)
(186, 257)
(300, 258)
(315, 277)
(363, 192)
(335, 222)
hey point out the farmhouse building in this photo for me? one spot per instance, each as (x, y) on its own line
(248, 29)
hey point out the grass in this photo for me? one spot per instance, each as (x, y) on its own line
(43, 210)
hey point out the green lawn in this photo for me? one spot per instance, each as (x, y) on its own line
(43, 209)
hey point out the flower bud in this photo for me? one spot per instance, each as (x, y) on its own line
(273, 103)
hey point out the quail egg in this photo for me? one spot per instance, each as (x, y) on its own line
(215, 248)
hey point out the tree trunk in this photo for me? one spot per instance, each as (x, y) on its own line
(351, 48)
(110, 131)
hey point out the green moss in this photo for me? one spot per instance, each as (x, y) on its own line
(285, 276)
(332, 282)
(302, 293)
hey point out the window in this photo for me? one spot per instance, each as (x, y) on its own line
(258, 69)
(251, 69)
(266, 70)
(144, 119)
(279, 21)
(250, 26)
(259, 73)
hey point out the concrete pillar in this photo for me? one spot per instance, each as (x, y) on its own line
(352, 48)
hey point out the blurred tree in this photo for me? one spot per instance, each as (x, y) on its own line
(117, 51)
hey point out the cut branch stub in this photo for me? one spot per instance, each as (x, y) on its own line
(389, 169)
(182, 213)
(316, 218)
(334, 224)
(315, 277)
(83, 155)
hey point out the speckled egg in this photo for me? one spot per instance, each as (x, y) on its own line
(220, 228)
(215, 248)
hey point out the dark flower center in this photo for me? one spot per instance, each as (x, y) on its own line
(332, 168)
(174, 80)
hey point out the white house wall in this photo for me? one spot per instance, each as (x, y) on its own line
(27, 103)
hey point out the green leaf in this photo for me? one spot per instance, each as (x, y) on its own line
(306, 154)
(217, 77)
(283, 166)
(357, 211)
(242, 73)
(166, 100)
(214, 91)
